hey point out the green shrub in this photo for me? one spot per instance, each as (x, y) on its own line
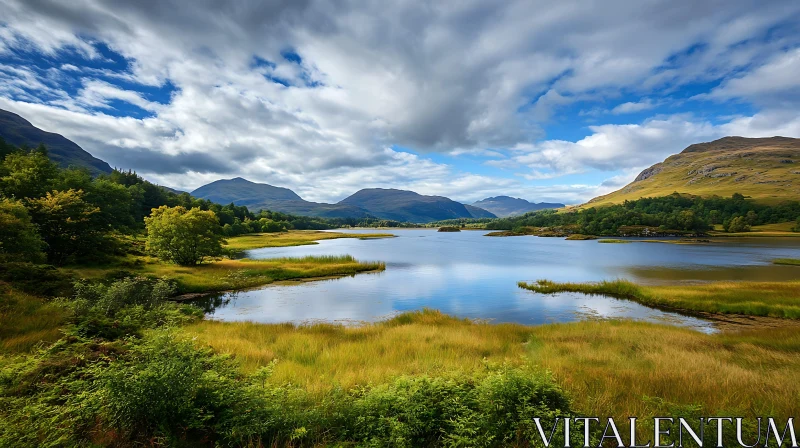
(37, 279)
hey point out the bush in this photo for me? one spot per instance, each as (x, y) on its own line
(126, 307)
(37, 279)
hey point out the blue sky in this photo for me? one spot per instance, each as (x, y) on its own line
(549, 101)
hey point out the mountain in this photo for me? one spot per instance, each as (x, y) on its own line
(264, 196)
(403, 205)
(478, 212)
(19, 131)
(765, 169)
(507, 206)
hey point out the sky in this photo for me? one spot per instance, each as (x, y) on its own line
(556, 101)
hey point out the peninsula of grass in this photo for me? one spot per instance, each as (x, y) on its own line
(787, 261)
(775, 299)
(608, 368)
(449, 229)
(580, 237)
(293, 238)
(226, 275)
(612, 241)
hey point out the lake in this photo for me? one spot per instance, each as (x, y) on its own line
(469, 275)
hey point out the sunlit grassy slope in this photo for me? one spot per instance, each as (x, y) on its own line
(607, 367)
(765, 169)
(777, 299)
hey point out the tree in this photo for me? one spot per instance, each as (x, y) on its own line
(68, 224)
(185, 237)
(738, 224)
(28, 175)
(19, 240)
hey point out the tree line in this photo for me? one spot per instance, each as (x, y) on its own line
(676, 212)
(66, 215)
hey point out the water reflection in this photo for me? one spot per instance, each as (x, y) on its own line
(469, 275)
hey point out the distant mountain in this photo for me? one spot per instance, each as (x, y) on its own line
(478, 212)
(507, 206)
(18, 131)
(765, 169)
(403, 205)
(264, 196)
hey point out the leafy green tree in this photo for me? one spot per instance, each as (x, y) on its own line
(738, 224)
(19, 240)
(185, 237)
(28, 175)
(67, 224)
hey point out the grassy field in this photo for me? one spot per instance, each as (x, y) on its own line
(606, 367)
(293, 238)
(776, 299)
(787, 261)
(783, 229)
(26, 321)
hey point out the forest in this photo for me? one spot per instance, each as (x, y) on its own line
(676, 212)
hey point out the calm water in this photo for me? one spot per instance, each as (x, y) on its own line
(469, 275)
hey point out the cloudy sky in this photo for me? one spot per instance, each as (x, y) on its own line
(545, 100)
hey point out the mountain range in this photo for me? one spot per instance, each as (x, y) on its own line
(503, 206)
(764, 169)
(19, 131)
(383, 203)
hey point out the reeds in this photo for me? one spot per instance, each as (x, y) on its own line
(776, 299)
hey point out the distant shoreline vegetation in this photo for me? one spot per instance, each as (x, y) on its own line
(673, 215)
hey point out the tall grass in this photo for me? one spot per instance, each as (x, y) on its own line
(26, 321)
(776, 299)
(608, 367)
(320, 356)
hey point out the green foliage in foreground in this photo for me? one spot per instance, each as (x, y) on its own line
(777, 299)
(121, 385)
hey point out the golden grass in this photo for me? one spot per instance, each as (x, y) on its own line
(293, 238)
(321, 355)
(26, 321)
(607, 367)
(611, 241)
(776, 299)
(787, 261)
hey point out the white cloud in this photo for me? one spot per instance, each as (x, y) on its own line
(633, 107)
(465, 78)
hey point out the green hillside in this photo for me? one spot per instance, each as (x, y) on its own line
(764, 169)
(18, 131)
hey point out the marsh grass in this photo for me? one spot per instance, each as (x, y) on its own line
(26, 321)
(238, 274)
(776, 299)
(612, 241)
(293, 238)
(787, 261)
(607, 367)
(320, 356)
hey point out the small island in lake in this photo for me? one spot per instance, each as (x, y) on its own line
(449, 229)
